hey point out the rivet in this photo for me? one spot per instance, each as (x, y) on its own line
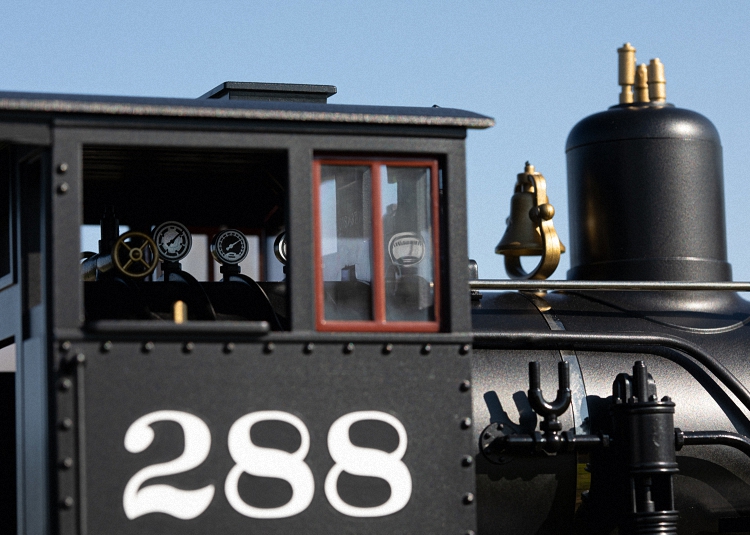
(66, 423)
(66, 384)
(467, 460)
(465, 385)
(67, 502)
(80, 358)
(426, 349)
(62, 168)
(228, 347)
(63, 188)
(309, 347)
(465, 349)
(107, 346)
(65, 346)
(148, 346)
(387, 349)
(270, 347)
(468, 498)
(188, 347)
(470, 532)
(466, 423)
(349, 348)
(66, 463)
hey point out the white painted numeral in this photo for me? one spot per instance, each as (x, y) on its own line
(269, 462)
(367, 462)
(183, 504)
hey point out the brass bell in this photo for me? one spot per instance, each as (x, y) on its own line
(530, 230)
(522, 236)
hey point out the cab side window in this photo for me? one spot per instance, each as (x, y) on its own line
(376, 244)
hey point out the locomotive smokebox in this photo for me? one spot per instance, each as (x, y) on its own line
(646, 195)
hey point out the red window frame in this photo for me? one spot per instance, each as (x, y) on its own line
(379, 323)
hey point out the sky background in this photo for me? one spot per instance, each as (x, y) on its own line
(536, 67)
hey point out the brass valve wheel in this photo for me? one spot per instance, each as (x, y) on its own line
(135, 255)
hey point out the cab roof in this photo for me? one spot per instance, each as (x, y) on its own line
(50, 103)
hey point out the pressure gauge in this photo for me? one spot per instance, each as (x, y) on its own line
(173, 240)
(229, 247)
(280, 248)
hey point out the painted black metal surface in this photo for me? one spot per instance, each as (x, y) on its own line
(646, 196)
(422, 391)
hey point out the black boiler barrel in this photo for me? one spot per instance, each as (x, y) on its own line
(646, 196)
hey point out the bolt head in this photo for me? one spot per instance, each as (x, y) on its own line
(67, 502)
(270, 347)
(426, 349)
(466, 423)
(107, 346)
(468, 498)
(467, 460)
(309, 347)
(63, 188)
(465, 385)
(387, 349)
(188, 347)
(66, 463)
(148, 347)
(349, 348)
(62, 168)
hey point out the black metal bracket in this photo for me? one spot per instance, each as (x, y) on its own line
(495, 441)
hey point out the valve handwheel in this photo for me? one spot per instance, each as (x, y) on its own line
(135, 255)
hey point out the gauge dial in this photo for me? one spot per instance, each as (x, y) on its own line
(173, 240)
(229, 247)
(280, 248)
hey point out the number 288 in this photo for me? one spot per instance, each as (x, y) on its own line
(139, 500)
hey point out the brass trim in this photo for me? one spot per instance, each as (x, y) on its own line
(641, 83)
(540, 217)
(657, 83)
(136, 255)
(179, 309)
(626, 72)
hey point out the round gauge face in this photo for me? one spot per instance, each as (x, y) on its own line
(229, 247)
(173, 240)
(280, 248)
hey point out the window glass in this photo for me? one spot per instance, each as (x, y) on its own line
(376, 244)
(407, 237)
(345, 241)
(5, 211)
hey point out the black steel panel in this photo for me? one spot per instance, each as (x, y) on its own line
(317, 384)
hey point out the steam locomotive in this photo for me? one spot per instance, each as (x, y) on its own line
(252, 313)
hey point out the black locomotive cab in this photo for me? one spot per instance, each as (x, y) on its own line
(265, 289)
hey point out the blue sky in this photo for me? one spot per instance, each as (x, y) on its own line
(536, 67)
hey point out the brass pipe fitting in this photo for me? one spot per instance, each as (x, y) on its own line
(641, 83)
(657, 83)
(626, 72)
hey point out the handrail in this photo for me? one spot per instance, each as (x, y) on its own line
(632, 286)
(626, 342)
